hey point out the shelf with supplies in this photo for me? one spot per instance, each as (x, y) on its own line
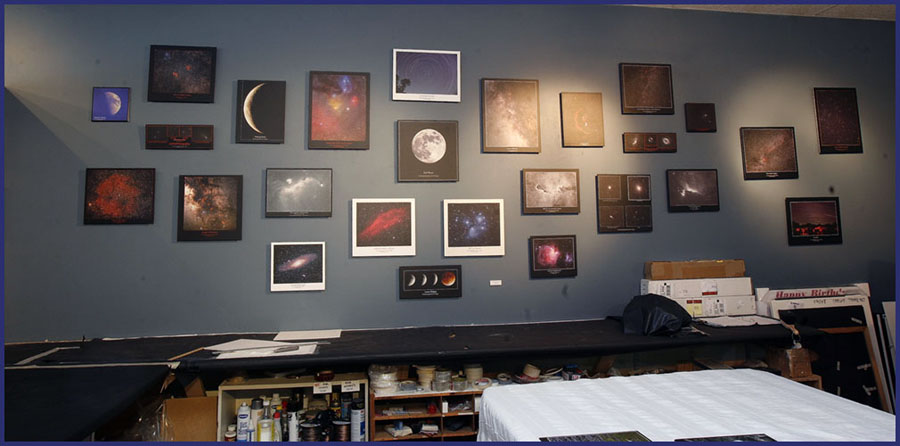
(455, 413)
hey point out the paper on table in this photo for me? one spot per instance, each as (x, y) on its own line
(268, 352)
(243, 344)
(739, 321)
(304, 335)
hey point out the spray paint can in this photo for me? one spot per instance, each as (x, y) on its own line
(243, 422)
(357, 421)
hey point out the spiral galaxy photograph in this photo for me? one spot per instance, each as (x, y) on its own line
(553, 256)
(210, 207)
(110, 104)
(426, 75)
(473, 227)
(297, 266)
(182, 74)
(510, 115)
(260, 112)
(837, 120)
(338, 110)
(384, 227)
(768, 153)
(646, 89)
(119, 196)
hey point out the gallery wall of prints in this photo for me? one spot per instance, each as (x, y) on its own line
(148, 274)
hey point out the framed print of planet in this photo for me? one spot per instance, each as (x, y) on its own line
(550, 191)
(427, 151)
(510, 116)
(297, 266)
(209, 207)
(119, 196)
(338, 110)
(383, 227)
(298, 192)
(582, 119)
(426, 75)
(110, 104)
(430, 281)
(473, 227)
(552, 256)
(260, 112)
(182, 74)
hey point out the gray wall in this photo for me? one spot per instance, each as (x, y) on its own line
(64, 280)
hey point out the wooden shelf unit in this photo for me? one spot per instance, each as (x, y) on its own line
(417, 403)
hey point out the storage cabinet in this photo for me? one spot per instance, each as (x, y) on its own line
(458, 423)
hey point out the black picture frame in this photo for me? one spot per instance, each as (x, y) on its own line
(417, 282)
(837, 120)
(624, 203)
(427, 151)
(110, 104)
(552, 256)
(646, 89)
(692, 190)
(813, 221)
(119, 196)
(769, 153)
(510, 103)
(551, 191)
(182, 74)
(328, 129)
(178, 137)
(299, 192)
(260, 112)
(581, 119)
(218, 214)
(637, 142)
(700, 117)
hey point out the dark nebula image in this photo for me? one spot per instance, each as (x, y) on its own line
(609, 187)
(339, 109)
(638, 216)
(298, 192)
(550, 189)
(511, 114)
(181, 71)
(297, 263)
(638, 187)
(693, 188)
(553, 253)
(814, 218)
(769, 150)
(211, 203)
(426, 73)
(260, 112)
(837, 115)
(119, 196)
(647, 86)
(700, 117)
(582, 119)
(383, 224)
(612, 216)
(473, 224)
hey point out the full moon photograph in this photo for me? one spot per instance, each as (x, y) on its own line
(427, 151)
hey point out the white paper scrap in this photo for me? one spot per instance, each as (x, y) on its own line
(304, 335)
(307, 349)
(243, 344)
(739, 321)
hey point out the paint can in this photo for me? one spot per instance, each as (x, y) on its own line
(357, 424)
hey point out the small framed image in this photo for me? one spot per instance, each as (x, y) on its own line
(260, 112)
(837, 120)
(692, 190)
(552, 256)
(473, 227)
(624, 203)
(209, 207)
(119, 196)
(178, 137)
(426, 75)
(383, 227)
(110, 104)
(646, 89)
(338, 110)
(551, 191)
(510, 116)
(430, 281)
(582, 119)
(768, 153)
(297, 266)
(813, 221)
(700, 117)
(298, 192)
(427, 151)
(649, 143)
(182, 74)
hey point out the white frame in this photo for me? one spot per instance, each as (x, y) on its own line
(384, 251)
(277, 287)
(425, 97)
(469, 251)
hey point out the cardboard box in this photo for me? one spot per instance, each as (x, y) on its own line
(791, 362)
(693, 269)
(192, 419)
(719, 305)
(733, 286)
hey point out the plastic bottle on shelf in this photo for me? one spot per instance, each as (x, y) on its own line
(276, 426)
(231, 433)
(243, 423)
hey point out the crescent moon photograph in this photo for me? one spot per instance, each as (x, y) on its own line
(260, 112)
(430, 281)
(110, 104)
(427, 151)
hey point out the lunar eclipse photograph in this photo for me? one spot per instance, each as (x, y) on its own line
(430, 281)
(260, 112)
(297, 266)
(427, 151)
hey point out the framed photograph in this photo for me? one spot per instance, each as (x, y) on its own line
(624, 203)
(260, 112)
(384, 227)
(582, 119)
(552, 256)
(338, 110)
(692, 190)
(551, 191)
(174, 137)
(111, 104)
(298, 192)
(813, 221)
(427, 151)
(837, 119)
(473, 227)
(426, 75)
(209, 207)
(510, 115)
(649, 143)
(700, 117)
(646, 89)
(182, 74)
(119, 196)
(430, 281)
(768, 153)
(297, 266)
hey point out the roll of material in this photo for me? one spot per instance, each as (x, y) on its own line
(482, 383)
(473, 372)
(531, 371)
(310, 432)
(341, 431)
(504, 379)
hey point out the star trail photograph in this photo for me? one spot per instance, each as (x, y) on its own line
(426, 75)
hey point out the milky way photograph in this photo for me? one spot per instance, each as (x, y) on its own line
(427, 151)
(553, 256)
(813, 220)
(473, 227)
(110, 104)
(768, 153)
(430, 281)
(426, 75)
(298, 192)
(510, 115)
(700, 117)
(630, 211)
(119, 196)
(550, 191)
(260, 112)
(646, 89)
(182, 74)
(297, 266)
(837, 120)
(210, 207)
(692, 190)
(338, 110)
(383, 227)
(582, 119)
